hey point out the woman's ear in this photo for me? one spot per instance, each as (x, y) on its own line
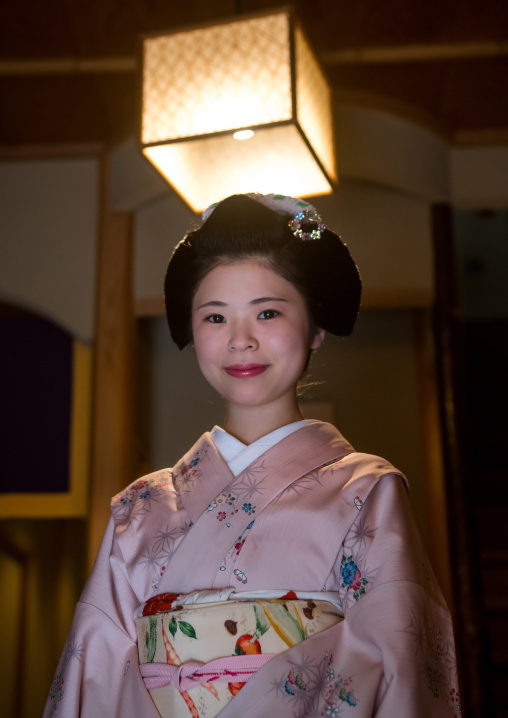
(318, 338)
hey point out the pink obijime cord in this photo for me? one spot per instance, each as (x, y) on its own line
(232, 669)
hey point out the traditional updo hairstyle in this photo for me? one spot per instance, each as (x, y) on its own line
(241, 228)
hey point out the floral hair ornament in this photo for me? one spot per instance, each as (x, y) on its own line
(305, 223)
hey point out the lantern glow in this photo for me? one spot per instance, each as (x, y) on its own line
(204, 86)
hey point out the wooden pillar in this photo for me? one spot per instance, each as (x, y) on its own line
(435, 486)
(112, 430)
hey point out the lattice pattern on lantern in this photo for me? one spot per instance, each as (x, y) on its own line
(275, 159)
(202, 81)
(313, 104)
(202, 85)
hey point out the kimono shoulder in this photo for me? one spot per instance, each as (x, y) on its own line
(346, 484)
(151, 516)
(160, 488)
(365, 470)
(140, 493)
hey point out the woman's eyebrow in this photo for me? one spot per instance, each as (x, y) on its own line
(213, 303)
(259, 300)
(262, 300)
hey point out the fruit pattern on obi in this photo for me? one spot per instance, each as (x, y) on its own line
(251, 627)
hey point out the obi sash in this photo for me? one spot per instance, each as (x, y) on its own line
(195, 658)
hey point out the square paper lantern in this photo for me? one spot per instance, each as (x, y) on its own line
(206, 87)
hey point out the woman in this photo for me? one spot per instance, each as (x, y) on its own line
(273, 570)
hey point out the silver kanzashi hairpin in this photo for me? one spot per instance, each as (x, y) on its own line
(307, 225)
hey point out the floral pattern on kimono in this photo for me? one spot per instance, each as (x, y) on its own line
(325, 518)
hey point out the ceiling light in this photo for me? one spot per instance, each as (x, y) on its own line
(203, 86)
(243, 134)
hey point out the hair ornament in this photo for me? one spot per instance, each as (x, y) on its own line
(307, 224)
(305, 221)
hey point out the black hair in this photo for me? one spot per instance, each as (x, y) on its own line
(241, 228)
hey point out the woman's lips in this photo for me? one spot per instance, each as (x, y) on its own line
(244, 371)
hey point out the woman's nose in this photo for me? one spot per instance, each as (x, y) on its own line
(242, 338)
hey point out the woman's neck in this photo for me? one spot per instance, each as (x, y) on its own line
(249, 423)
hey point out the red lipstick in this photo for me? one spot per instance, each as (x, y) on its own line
(244, 371)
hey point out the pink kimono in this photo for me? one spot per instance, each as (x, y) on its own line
(308, 515)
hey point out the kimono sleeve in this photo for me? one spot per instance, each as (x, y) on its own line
(98, 673)
(395, 614)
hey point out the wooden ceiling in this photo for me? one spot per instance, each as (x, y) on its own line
(68, 69)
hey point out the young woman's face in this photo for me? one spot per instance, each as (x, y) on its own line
(251, 333)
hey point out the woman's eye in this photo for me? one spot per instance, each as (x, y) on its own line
(268, 314)
(215, 318)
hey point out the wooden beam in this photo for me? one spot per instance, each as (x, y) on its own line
(112, 433)
(68, 66)
(415, 53)
(58, 150)
(432, 52)
(481, 137)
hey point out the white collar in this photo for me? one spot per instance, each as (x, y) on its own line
(239, 455)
